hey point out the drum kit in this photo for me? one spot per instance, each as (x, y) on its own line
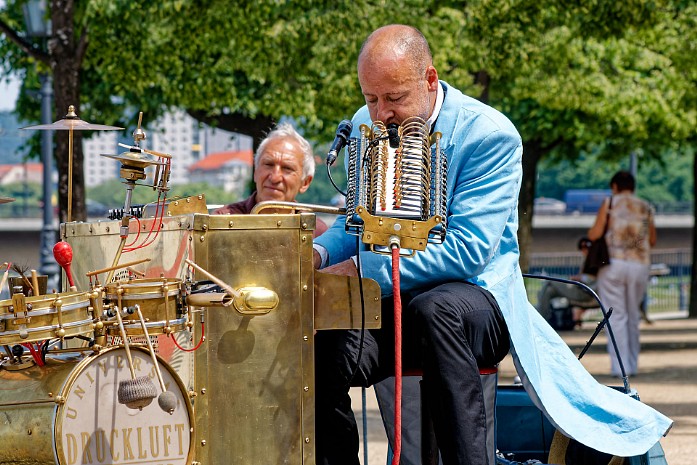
(79, 370)
(222, 340)
(75, 379)
(72, 371)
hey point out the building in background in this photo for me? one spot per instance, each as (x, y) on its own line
(12, 139)
(18, 173)
(99, 169)
(230, 170)
(176, 134)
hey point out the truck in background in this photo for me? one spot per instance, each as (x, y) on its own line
(585, 200)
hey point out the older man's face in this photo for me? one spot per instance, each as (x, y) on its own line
(279, 172)
(393, 92)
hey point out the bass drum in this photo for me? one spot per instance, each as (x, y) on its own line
(67, 413)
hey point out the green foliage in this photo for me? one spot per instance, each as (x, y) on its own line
(596, 77)
(113, 194)
(321, 191)
(19, 190)
(665, 181)
(28, 200)
(570, 74)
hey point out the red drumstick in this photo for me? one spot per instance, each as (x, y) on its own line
(63, 253)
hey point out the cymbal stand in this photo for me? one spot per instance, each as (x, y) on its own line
(131, 173)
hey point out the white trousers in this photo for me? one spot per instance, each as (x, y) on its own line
(622, 285)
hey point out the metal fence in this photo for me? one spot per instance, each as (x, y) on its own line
(669, 286)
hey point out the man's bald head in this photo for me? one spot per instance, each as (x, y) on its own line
(396, 74)
(396, 42)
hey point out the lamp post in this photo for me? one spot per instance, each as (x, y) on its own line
(39, 26)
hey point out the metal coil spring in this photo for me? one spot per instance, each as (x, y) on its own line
(439, 182)
(352, 182)
(364, 166)
(377, 161)
(414, 179)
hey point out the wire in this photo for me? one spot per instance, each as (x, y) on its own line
(34, 354)
(360, 291)
(127, 246)
(203, 332)
(329, 173)
(159, 216)
(397, 299)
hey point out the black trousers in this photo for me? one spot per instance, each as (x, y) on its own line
(448, 331)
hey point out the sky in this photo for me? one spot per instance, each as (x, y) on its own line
(8, 94)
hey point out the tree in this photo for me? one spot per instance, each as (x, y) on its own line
(601, 77)
(577, 81)
(64, 56)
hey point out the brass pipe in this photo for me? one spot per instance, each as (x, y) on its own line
(35, 282)
(306, 207)
(70, 174)
(57, 400)
(157, 154)
(140, 274)
(229, 290)
(125, 339)
(150, 349)
(71, 350)
(116, 260)
(209, 299)
(123, 265)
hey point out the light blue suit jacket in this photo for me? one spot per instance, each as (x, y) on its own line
(484, 152)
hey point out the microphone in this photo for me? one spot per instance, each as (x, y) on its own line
(393, 134)
(343, 131)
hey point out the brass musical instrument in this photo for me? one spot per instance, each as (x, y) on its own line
(65, 413)
(30, 319)
(71, 123)
(249, 358)
(396, 193)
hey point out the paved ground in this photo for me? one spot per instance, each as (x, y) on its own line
(667, 381)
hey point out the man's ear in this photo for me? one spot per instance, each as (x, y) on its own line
(305, 184)
(432, 78)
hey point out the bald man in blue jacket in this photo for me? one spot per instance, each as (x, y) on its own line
(463, 300)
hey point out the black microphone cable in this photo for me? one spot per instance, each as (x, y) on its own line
(360, 292)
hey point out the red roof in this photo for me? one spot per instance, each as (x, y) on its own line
(31, 167)
(217, 160)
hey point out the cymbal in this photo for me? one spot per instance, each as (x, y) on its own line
(6, 199)
(72, 122)
(138, 159)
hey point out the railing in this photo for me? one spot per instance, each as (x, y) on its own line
(669, 285)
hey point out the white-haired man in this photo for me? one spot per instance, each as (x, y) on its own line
(284, 166)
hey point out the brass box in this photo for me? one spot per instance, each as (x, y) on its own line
(252, 377)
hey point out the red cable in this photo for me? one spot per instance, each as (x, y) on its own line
(197, 345)
(156, 221)
(34, 354)
(397, 357)
(159, 216)
(126, 246)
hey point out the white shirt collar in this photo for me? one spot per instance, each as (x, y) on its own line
(440, 95)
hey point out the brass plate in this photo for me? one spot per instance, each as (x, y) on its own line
(193, 204)
(338, 302)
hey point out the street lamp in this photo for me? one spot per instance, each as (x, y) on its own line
(39, 27)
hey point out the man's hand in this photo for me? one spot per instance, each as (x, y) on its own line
(345, 268)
